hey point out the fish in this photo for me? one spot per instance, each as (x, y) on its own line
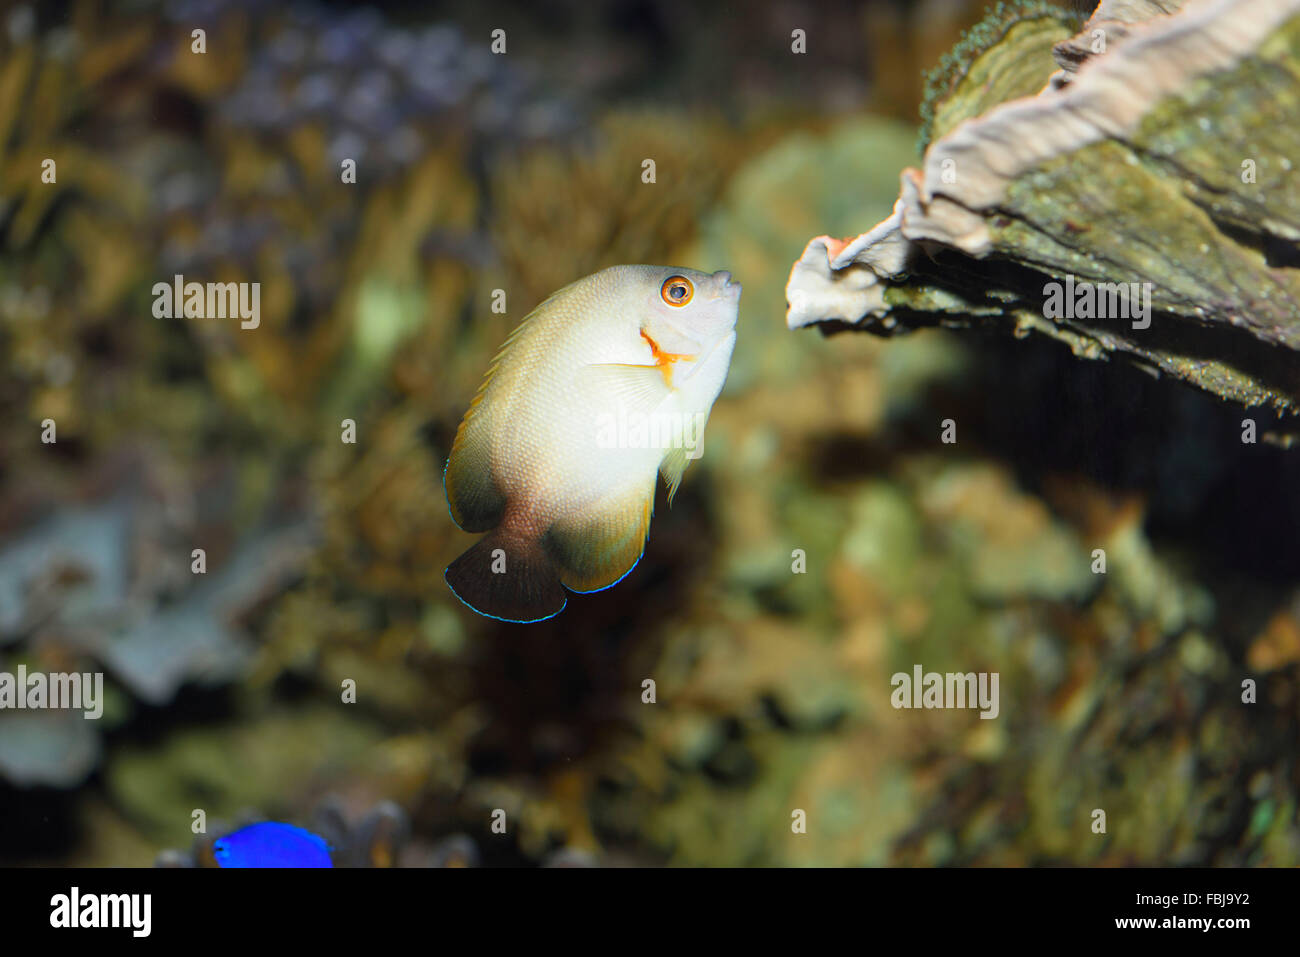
(271, 844)
(607, 384)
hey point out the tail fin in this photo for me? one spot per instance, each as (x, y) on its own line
(508, 578)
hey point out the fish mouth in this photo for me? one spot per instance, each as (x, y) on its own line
(727, 288)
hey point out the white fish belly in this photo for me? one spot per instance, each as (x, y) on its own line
(567, 450)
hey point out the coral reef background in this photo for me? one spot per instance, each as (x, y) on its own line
(521, 172)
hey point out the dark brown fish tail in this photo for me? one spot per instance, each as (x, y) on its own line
(508, 577)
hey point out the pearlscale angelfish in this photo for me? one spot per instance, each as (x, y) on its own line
(605, 384)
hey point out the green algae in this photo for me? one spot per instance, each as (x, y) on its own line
(978, 73)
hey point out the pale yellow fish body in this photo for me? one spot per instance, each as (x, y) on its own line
(606, 383)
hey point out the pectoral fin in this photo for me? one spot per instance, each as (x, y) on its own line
(636, 388)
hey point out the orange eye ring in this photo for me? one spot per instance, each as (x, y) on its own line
(677, 291)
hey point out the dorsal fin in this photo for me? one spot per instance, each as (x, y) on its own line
(475, 503)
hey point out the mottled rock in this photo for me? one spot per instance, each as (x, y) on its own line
(1142, 206)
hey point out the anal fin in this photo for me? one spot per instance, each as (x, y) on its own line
(600, 547)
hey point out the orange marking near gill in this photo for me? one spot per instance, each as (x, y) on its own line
(664, 360)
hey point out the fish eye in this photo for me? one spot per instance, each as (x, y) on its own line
(677, 291)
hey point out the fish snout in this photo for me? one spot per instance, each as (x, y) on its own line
(725, 286)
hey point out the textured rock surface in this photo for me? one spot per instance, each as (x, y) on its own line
(1163, 156)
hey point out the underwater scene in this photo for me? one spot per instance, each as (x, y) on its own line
(859, 433)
